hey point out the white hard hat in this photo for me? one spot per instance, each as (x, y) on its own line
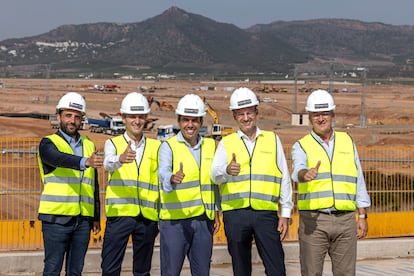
(72, 100)
(135, 103)
(320, 100)
(191, 105)
(243, 97)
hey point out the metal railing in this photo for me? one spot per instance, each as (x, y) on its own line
(388, 171)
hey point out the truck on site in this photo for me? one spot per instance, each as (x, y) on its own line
(217, 129)
(111, 125)
(166, 131)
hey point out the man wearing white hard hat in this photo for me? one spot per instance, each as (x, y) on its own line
(331, 188)
(251, 169)
(131, 199)
(69, 204)
(189, 207)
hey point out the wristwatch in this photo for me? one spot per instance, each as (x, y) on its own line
(363, 216)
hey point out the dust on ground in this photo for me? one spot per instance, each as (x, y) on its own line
(388, 108)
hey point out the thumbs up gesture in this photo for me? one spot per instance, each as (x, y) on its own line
(95, 161)
(233, 168)
(128, 155)
(178, 177)
(312, 173)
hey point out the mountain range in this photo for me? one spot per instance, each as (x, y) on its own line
(179, 41)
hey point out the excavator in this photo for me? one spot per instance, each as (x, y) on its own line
(217, 129)
(161, 105)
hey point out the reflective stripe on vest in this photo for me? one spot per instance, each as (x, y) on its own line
(335, 185)
(64, 192)
(133, 189)
(258, 184)
(196, 195)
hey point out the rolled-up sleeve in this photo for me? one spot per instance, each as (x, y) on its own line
(298, 161)
(111, 161)
(165, 167)
(285, 201)
(362, 197)
(218, 168)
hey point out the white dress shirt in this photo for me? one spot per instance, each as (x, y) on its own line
(111, 161)
(219, 175)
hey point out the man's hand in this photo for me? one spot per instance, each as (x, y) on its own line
(128, 155)
(233, 168)
(178, 177)
(95, 161)
(283, 227)
(362, 228)
(216, 222)
(96, 227)
(311, 174)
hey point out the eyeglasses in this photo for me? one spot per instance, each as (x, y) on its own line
(323, 114)
(250, 114)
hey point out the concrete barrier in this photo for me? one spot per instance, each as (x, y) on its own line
(31, 262)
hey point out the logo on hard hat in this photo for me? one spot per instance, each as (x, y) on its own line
(75, 106)
(319, 106)
(244, 102)
(190, 110)
(137, 108)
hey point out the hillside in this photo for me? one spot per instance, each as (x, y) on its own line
(178, 41)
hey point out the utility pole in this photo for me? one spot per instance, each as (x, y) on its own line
(363, 115)
(48, 66)
(295, 92)
(331, 68)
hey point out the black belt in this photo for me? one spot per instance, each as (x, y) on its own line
(336, 213)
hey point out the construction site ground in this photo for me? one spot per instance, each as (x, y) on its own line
(387, 108)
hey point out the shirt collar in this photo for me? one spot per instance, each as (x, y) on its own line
(244, 136)
(140, 143)
(69, 139)
(180, 138)
(319, 139)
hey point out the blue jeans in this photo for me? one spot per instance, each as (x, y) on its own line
(70, 240)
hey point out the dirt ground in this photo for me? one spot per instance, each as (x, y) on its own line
(388, 108)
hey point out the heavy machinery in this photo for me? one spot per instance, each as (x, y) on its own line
(161, 105)
(166, 131)
(107, 125)
(217, 129)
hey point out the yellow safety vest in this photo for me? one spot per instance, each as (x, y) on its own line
(64, 191)
(335, 185)
(258, 184)
(133, 188)
(196, 194)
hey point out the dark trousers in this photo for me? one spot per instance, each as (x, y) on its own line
(191, 237)
(117, 233)
(70, 240)
(241, 227)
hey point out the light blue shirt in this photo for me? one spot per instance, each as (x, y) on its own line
(165, 163)
(299, 162)
(77, 148)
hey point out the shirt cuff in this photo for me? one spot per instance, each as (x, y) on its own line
(285, 212)
(82, 165)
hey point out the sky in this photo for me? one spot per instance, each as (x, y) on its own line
(21, 18)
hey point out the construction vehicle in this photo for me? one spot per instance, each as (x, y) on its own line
(166, 131)
(217, 129)
(53, 121)
(111, 125)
